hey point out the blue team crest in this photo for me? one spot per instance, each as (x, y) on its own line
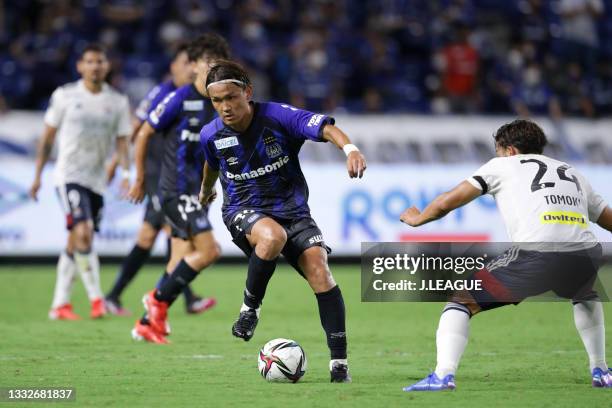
(273, 149)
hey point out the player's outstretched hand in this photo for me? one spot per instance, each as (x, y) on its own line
(411, 216)
(136, 193)
(207, 197)
(356, 164)
(34, 189)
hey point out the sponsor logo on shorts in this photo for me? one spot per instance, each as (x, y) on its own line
(261, 171)
(202, 222)
(315, 239)
(226, 142)
(564, 217)
(193, 105)
(253, 218)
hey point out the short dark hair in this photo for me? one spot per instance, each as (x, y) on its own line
(210, 44)
(179, 49)
(92, 47)
(224, 69)
(524, 135)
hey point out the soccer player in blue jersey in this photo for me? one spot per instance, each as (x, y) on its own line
(253, 148)
(154, 220)
(180, 116)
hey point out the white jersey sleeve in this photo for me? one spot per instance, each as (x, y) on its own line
(488, 178)
(124, 127)
(596, 204)
(56, 109)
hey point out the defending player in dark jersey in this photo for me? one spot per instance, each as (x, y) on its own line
(180, 116)
(154, 219)
(253, 148)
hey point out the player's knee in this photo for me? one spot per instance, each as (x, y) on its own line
(320, 278)
(146, 237)
(206, 256)
(271, 241)
(82, 236)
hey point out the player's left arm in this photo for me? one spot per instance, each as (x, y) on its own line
(355, 161)
(441, 205)
(208, 193)
(605, 219)
(122, 151)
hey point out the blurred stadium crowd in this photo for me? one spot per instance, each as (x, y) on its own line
(423, 56)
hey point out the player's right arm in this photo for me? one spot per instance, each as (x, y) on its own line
(53, 119)
(44, 151)
(137, 191)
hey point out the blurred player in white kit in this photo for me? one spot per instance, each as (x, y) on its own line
(88, 117)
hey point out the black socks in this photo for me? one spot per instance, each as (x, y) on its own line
(259, 274)
(182, 275)
(333, 318)
(130, 267)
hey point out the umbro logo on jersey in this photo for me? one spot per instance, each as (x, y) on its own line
(261, 171)
(226, 142)
(193, 105)
(564, 217)
(194, 121)
(232, 161)
(315, 120)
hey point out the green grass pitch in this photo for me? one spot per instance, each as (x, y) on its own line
(528, 355)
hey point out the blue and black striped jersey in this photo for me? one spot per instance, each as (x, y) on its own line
(259, 168)
(180, 116)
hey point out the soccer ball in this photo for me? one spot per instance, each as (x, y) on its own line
(282, 360)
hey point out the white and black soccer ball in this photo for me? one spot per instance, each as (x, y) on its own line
(282, 360)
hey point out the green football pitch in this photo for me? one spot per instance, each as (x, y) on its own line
(529, 355)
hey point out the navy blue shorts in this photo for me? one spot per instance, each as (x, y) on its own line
(518, 274)
(302, 234)
(186, 216)
(80, 204)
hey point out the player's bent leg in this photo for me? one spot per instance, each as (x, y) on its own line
(589, 320)
(147, 236)
(204, 252)
(129, 268)
(88, 265)
(267, 237)
(61, 308)
(313, 264)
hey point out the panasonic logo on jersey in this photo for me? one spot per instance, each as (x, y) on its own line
(262, 171)
(191, 136)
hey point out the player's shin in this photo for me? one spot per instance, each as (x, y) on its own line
(259, 273)
(182, 275)
(333, 320)
(66, 271)
(130, 267)
(589, 320)
(88, 265)
(451, 338)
